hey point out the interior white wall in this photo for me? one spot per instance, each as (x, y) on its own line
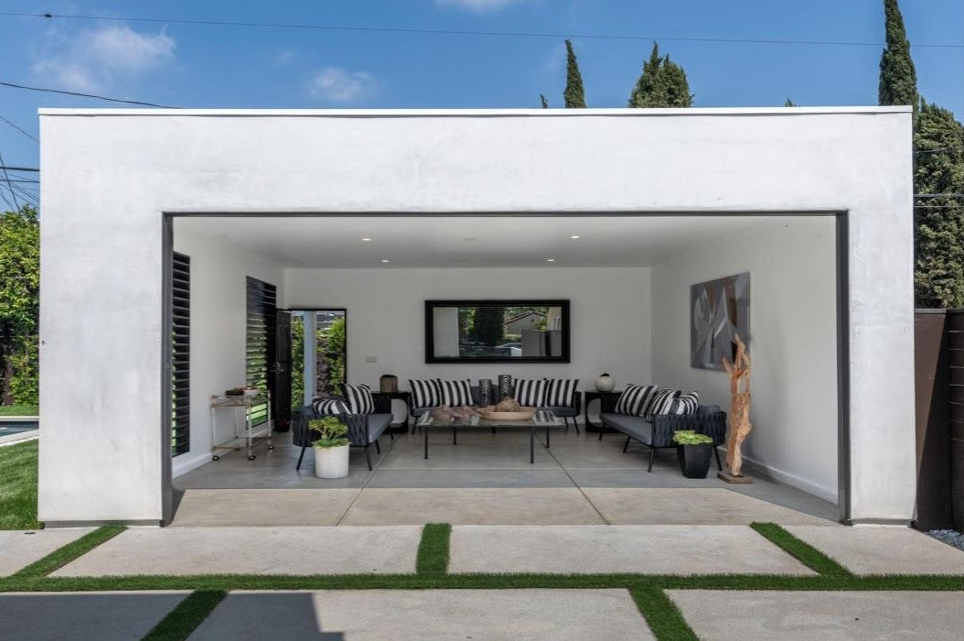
(218, 319)
(610, 316)
(793, 342)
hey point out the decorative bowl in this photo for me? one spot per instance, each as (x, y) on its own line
(251, 392)
(522, 415)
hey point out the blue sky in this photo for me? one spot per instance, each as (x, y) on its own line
(219, 66)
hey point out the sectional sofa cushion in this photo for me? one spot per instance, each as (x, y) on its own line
(530, 392)
(560, 392)
(425, 393)
(329, 407)
(359, 397)
(636, 400)
(455, 393)
(684, 404)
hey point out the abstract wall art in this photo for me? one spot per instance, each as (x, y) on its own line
(719, 311)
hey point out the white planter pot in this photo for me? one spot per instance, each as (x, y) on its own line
(331, 462)
(605, 383)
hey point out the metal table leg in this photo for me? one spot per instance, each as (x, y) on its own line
(532, 445)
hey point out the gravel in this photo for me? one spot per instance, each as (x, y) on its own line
(951, 537)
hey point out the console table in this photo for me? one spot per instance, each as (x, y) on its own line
(383, 405)
(607, 403)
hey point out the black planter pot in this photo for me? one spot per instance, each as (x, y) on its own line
(694, 460)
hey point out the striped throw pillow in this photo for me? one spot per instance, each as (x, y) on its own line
(329, 407)
(425, 393)
(359, 397)
(560, 392)
(530, 392)
(685, 404)
(663, 401)
(636, 400)
(455, 393)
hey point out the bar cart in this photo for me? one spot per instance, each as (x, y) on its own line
(246, 435)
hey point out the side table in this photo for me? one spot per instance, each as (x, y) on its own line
(383, 405)
(607, 403)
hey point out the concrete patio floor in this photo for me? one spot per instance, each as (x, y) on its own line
(487, 480)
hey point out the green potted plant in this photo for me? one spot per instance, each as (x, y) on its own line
(331, 448)
(695, 452)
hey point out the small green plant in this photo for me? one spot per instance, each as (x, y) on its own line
(690, 437)
(332, 432)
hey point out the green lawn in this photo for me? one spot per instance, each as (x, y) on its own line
(19, 410)
(18, 487)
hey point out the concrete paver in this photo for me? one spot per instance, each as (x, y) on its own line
(822, 616)
(477, 506)
(646, 549)
(246, 550)
(259, 507)
(105, 616)
(868, 549)
(20, 548)
(427, 615)
(691, 506)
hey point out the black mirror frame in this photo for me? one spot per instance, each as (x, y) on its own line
(430, 331)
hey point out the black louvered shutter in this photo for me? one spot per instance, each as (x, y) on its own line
(262, 300)
(181, 355)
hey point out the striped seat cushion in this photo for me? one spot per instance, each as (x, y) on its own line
(530, 392)
(561, 392)
(636, 400)
(425, 393)
(663, 402)
(359, 398)
(329, 406)
(684, 404)
(455, 393)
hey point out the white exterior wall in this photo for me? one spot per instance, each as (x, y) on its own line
(793, 342)
(109, 175)
(218, 332)
(386, 318)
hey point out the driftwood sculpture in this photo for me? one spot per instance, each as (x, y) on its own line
(739, 372)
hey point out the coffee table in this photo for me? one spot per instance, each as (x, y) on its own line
(542, 418)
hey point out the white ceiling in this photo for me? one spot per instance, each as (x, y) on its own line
(518, 241)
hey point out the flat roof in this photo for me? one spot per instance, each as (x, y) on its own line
(438, 113)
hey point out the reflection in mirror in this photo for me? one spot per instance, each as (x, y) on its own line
(497, 331)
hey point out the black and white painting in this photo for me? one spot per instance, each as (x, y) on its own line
(719, 310)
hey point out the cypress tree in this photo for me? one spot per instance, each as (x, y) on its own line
(574, 95)
(661, 84)
(789, 103)
(939, 222)
(545, 103)
(898, 79)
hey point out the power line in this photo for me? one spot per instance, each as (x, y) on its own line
(463, 32)
(86, 95)
(19, 129)
(8, 168)
(9, 185)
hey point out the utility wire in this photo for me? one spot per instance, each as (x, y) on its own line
(462, 32)
(86, 95)
(28, 135)
(6, 168)
(9, 184)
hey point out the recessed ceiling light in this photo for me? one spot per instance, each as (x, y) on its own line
(384, 260)
(575, 237)
(470, 239)
(550, 260)
(366, 239)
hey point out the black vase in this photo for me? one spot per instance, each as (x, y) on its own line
(694, 460)
(485, 392)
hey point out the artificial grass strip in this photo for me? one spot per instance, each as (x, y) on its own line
(433, 550)
(664, 618)
(803, 552)
(19, 410)
(186, 617)
(64, 555)
(18, 491)
(228, 582)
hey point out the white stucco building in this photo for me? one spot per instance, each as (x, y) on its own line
(814, 202)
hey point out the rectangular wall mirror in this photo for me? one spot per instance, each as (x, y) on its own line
(497, 331)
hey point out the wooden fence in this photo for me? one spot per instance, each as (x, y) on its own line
(939, 373)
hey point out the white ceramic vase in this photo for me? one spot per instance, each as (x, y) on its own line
(331, 462)
(605, 383)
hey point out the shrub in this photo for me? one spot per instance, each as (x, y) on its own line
(690, 437)
(331, 432)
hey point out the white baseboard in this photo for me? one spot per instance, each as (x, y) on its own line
(826, 493)
(186, 462)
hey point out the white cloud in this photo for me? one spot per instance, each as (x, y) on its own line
(95, 60)
(478, 6)
(284, 57)
(334, 84)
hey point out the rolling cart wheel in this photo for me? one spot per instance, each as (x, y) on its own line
(251, 457)
(271, 447)
(216, 457)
